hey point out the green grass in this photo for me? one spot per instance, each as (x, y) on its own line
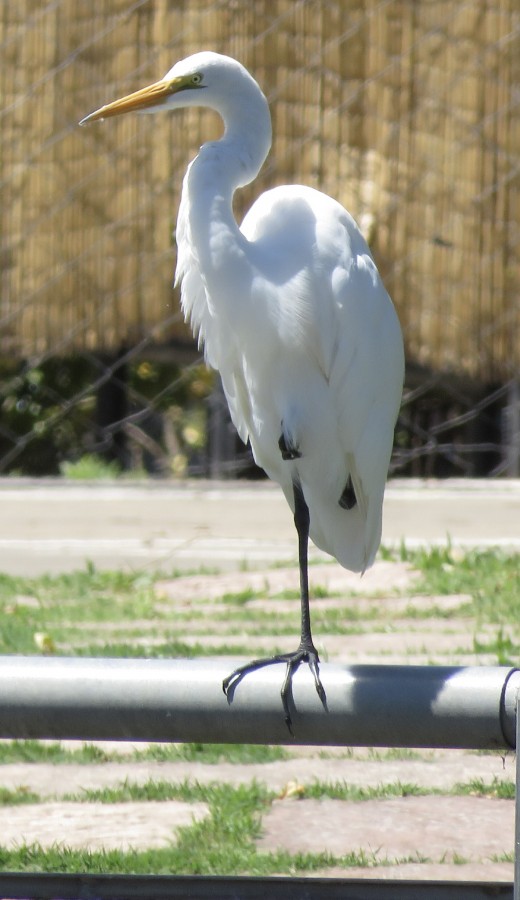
(343, 790)
(32, 751)
(477, 787)
(490, 577)
(173, 650)
(72, 611)
(240, 598)
(213, 754)
(90, 468)
(57, 601)
(503, 857)
(190, 792)
(506, 650)
(399, 754)
(196, 859)
(354, 793)
(151, 790)
(20, 794)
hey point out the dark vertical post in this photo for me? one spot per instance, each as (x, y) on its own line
(111, 408)
(511, 430)
(221, 434)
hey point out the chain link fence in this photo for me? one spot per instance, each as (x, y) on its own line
(407, 111)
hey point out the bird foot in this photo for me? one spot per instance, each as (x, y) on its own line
(288, 449)
(306, 652)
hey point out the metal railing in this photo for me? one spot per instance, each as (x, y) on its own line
(182, 700)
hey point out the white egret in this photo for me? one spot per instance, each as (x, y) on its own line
(292, 312)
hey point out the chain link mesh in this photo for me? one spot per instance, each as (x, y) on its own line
(406, 111)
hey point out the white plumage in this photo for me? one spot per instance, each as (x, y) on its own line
(291, 310)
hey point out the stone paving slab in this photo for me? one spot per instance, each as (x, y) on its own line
(485, 872)
(439, 829)
(384, 575)
(385, 605)
(95, 826)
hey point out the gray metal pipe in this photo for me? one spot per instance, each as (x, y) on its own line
(516, 893)
(182, 700)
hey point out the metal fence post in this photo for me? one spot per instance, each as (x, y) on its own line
(516, 894)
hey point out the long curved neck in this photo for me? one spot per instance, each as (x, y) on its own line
(238, 156)
(212, 178)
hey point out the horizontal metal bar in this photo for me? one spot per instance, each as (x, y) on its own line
(44, 886)
(182, 700)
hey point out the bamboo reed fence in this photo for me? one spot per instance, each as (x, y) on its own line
(407, 111)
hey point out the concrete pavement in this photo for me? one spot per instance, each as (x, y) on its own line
(55, 526)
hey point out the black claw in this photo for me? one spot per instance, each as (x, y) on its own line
(292, 661)
(288, 450)
(286, 690)
(285, 702)
(348, 499)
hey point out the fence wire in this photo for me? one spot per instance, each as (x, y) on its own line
(406, 111)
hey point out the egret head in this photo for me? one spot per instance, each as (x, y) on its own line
(204, 79)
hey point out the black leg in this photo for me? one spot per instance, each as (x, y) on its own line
(306, 651)
(306, 648)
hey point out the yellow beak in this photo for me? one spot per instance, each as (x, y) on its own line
(153, 95)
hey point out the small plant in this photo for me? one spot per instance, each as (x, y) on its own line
(90, 468)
